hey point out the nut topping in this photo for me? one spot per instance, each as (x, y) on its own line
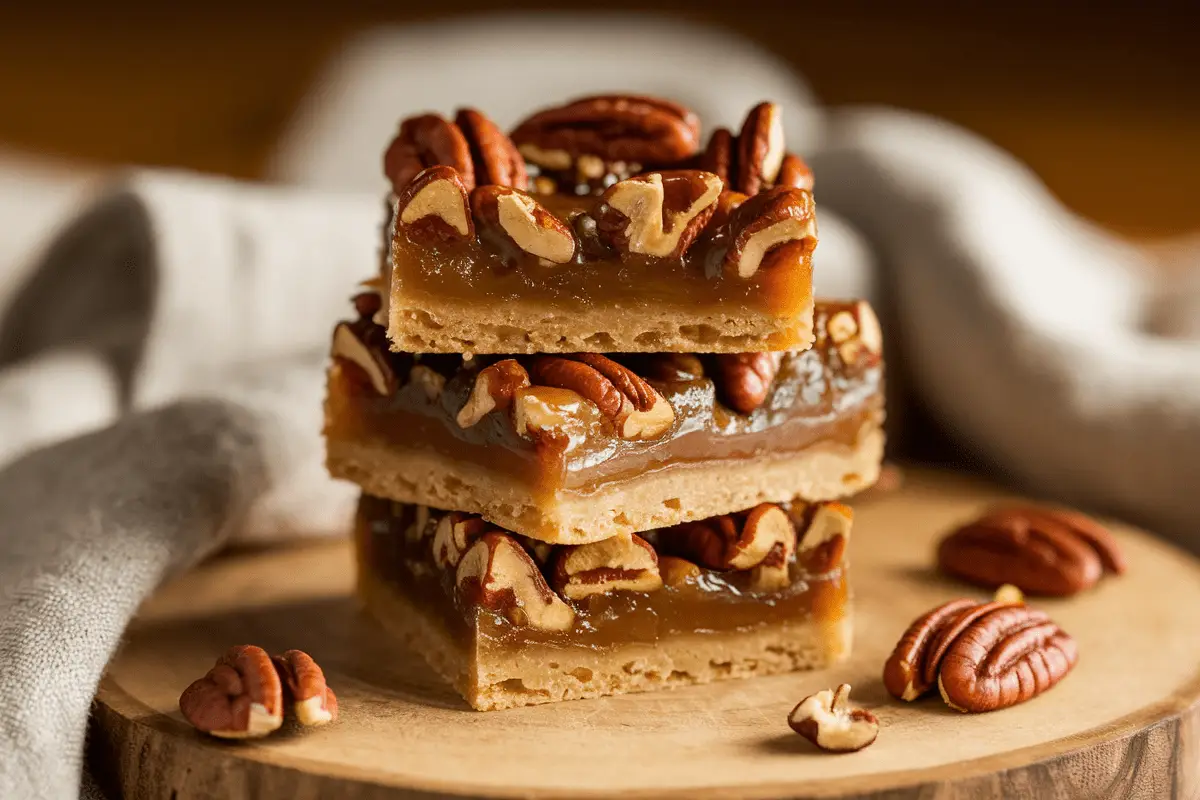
(546, 412)
(678, 572)
(856, 333)
(455, 533)
(795, 173)
(827, 721)
(761, 228)
(240, 698)
(732, 542)
(903, 674)
(746, 378)
(1037, 551)
(495, 157)
(658, 214)
(497, 574)
(760, 148)
(430, 380)
(1005, 657)
(304, 688)
(636, 409)
(644, 130)
(823, 530)
(425, 141)
(433, 207)
(349, 346)
(619, 563)
(494, 388)
(517, 218)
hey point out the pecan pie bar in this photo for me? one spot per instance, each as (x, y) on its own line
(579, 447)
(599, 226)
(510, 621)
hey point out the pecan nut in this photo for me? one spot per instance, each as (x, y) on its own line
(241, 697)
(823, 534)
(636, 409)
(494, 155)
(430, 381)
(771, 229)
(497, 574)
(354, 344)
(1009, 655)
(516, 219)
(619, 563)
(760, 148)
(826, 720)
(745, 379)
(552, 415)
(642, 130)
(493, 390)
(854, 331)
(674, 367)
(456, 531)
(1038, 553)
(677, 572)
(425, 141)
(904, 671)
(658, 214)
(795, 173)
(734, 541)
(313, 702)
(433, 208)
(1091, 532)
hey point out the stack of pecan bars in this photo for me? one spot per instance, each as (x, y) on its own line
(597, 419)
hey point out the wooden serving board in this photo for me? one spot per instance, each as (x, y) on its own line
(1125, 723)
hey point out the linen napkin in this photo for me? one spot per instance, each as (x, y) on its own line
(187, 318)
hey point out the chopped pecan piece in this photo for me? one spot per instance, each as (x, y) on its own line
(775, 227)
(497, 574)
(456, 531)
(678, 572)
(516, 218)
(619, 563)
(354, 344)
(1009, 655)
(494, 388)
(433, 208)
(744, 379)
(734, 542)
(547, 413)
(643, 130)
(425, 141)
(312, 701)
(856, 333)
(495, 157)
(240, 698)
(823, 531)
(659, 214)
(826, 720)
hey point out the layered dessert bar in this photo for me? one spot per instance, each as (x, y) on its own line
(578, 447)
(599, 226)
(510, 621)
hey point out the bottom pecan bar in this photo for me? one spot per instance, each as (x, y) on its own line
(510, 621)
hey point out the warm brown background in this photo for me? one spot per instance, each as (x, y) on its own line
(1102, 99)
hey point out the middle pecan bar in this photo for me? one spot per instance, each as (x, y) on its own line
(579, 447)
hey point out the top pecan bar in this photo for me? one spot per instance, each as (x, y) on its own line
(598, 226)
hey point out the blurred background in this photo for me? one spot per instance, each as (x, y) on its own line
(1101, 99)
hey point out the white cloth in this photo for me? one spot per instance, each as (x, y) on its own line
(187, 319)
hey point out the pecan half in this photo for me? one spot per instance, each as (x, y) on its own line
(775, 227)
(516, 218)
(795, 172)
(493, 390)
(240, 698)
(495, 157)
(855, 332)
(644, 130)
(658, 214)
(1007, 656)
(826, 720)
(744, 379)
(433, 208)
(904, 671)
(674, 367)
(456, 531)
(760, 148)
(636, 409)
(1091, 532)
(619, 563)
(731, 541)
(1036, 553)
(304, 688)
(718, 156)
(425, 141)
(353, 344)
(497, 574)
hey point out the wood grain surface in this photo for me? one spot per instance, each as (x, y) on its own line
(1125, 723)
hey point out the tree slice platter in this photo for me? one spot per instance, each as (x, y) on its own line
(1125, 722)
